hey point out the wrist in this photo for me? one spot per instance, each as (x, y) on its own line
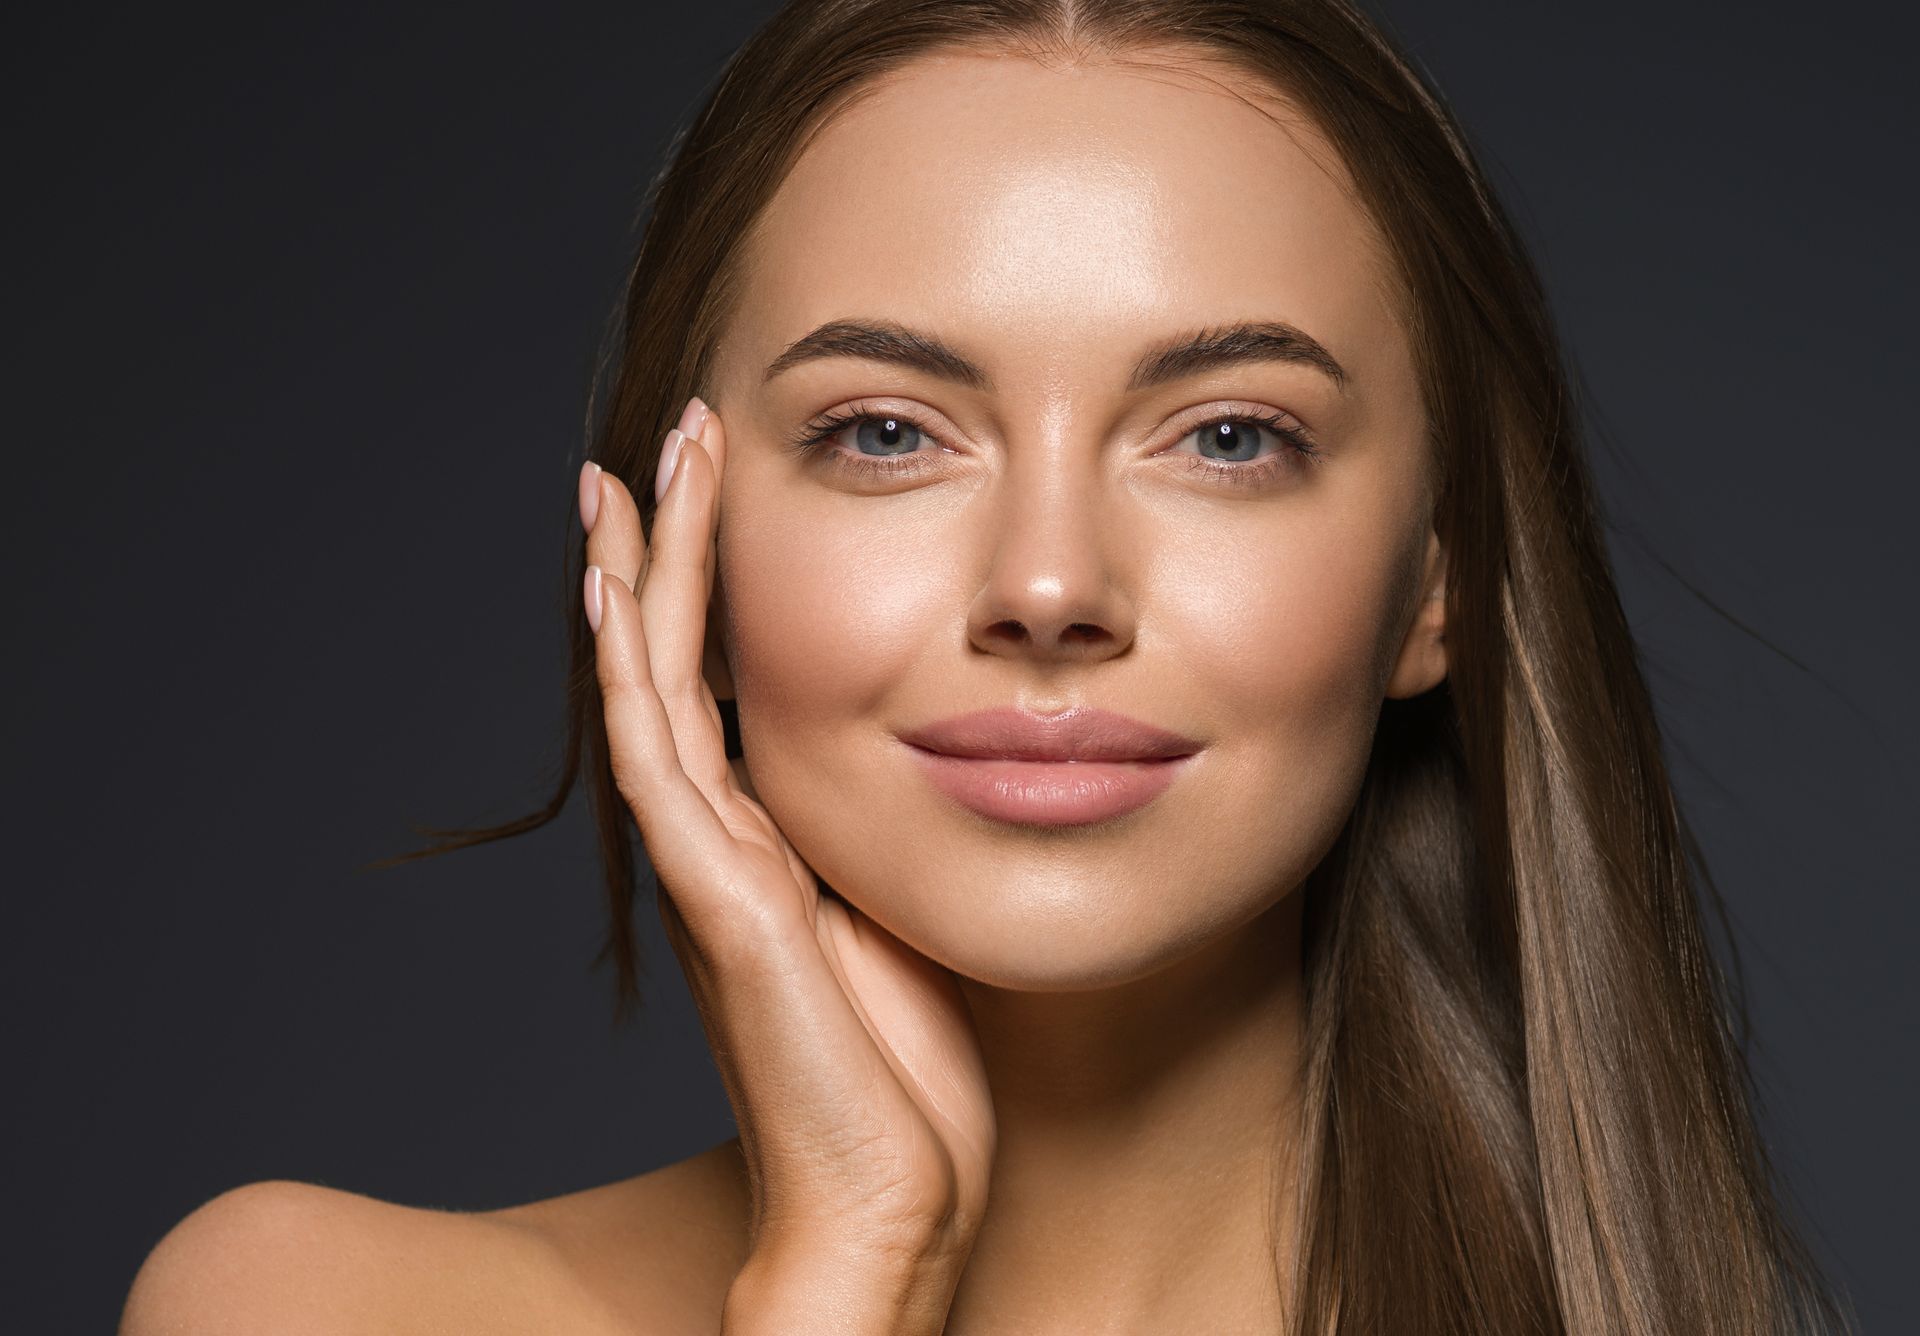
(842, 1292)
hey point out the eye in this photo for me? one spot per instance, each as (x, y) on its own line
(885, 444)
(1238, 437)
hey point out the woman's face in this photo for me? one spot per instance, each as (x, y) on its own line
(1070, 523)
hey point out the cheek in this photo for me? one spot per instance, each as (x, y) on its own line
(825, 621)
(1285, 636)
(1289, 623)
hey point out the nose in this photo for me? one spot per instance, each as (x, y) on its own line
(1054, 588)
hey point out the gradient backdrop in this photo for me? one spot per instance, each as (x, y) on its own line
(300, 313)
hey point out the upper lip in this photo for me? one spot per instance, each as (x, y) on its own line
(1081, 734)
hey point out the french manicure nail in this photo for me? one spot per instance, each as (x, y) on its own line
(693, 419)
(669, 457)
(589, 494)
(593, 598)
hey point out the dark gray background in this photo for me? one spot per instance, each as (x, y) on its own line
(300, 313)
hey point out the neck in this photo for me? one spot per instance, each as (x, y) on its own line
(1139, 1127)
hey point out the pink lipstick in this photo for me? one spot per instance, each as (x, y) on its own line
(1054, 770)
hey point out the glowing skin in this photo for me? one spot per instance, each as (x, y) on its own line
(1135, 982)
(1051, 226)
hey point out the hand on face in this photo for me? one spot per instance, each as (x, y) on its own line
(850, 1059)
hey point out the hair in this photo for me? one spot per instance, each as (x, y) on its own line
(1526, 1106)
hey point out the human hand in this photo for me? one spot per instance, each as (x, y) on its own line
(850, 1059)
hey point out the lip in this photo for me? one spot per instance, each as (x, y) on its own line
(1081, 734)
(1083, 766)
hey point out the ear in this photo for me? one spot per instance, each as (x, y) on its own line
(1422, 663)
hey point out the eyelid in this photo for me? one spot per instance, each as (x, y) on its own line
(933, 425)
(1219, 410)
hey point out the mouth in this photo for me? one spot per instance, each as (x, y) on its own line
(1084, 766)
(1049, 793)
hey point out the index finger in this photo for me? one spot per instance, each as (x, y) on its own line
(713, 439)
(673, 596)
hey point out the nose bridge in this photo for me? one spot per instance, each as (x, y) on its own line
(1054, 582)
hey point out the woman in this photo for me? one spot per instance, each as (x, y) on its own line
(1196, 854)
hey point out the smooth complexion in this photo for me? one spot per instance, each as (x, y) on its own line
(1057, 535)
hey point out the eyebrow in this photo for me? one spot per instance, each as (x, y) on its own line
(1184, 355)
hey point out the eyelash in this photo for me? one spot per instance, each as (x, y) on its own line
(1294, 441)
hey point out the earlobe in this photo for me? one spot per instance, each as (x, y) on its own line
(1422, 662)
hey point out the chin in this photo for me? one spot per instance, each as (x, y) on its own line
(1074, 925)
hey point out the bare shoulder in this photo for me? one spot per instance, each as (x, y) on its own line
(659, 1248)
(280, 1256)
(644, 1254)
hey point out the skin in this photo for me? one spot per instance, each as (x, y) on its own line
(1135, 987)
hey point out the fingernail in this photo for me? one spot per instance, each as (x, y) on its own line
(589, 494)
(693, 419)
(593, 598)
(669, 457)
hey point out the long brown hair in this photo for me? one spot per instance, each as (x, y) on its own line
(1526, 1105)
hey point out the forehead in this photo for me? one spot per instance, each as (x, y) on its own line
(1051, 220)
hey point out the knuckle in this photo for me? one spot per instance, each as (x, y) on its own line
(724, 937)
(630, 785)
(672, 682)
(633, 778)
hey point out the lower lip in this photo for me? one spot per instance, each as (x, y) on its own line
(1049, 793)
